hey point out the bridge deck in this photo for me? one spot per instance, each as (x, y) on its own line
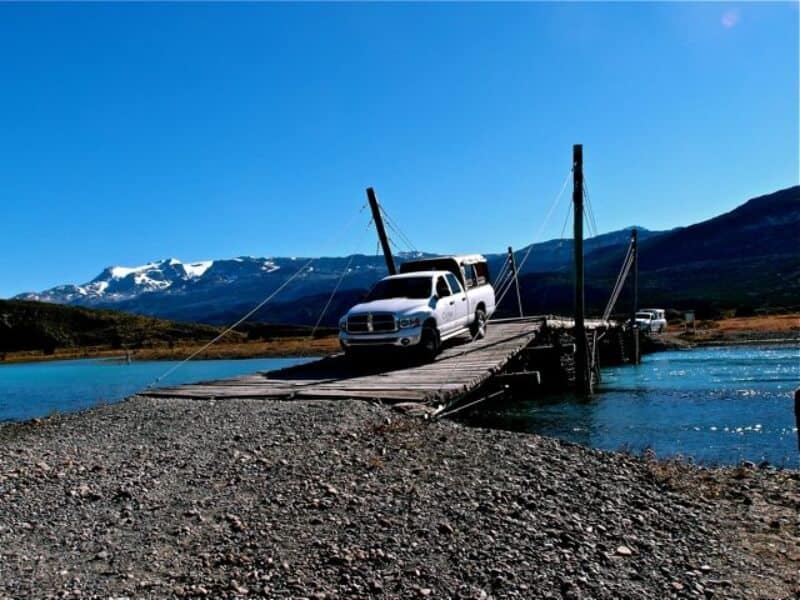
(460, 368)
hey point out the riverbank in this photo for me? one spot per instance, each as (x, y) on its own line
(766, 329)
(287, 347)
(176, 498)
(746, 330)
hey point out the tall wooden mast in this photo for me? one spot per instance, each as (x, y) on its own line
(378, 218)
(583, 381)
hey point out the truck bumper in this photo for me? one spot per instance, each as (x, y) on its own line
(405, 338)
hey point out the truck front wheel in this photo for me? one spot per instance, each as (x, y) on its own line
(429, 344)
(478, 327)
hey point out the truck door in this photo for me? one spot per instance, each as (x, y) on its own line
(445, 306)
(462, 309)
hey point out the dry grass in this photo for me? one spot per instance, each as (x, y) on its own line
(742, 329)
(760, 510)
(294, 346)
(765, 323)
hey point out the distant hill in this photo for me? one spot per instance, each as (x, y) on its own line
(556, 255)
(749, 257)
(746, 258)
(41, 326)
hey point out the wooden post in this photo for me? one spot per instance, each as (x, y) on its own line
(797, 414)
(516, 279)
(583, 381)
(635, 353)
(378, 218)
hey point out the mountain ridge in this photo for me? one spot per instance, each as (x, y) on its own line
(748, 255)
(149, 288)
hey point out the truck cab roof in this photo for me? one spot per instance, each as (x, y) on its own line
(431, 273)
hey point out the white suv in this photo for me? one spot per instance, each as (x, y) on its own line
(651, 320)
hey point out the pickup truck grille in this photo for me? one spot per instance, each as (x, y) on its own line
(371, 323)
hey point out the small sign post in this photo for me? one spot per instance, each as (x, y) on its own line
(689, 320)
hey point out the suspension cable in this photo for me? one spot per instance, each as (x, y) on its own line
(566, 220)
(345, 271)
(535, 238)
(613, 300)
(236, 324)
(588, 204)
(619, 284)
(590, 228)
(258, 307)
(330, 298)
(519, 266)
(394, 226)
(544, 222)
(625, 260)
(400, 237)
(503, 271)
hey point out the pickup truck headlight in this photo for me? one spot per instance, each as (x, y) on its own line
(343, 323)
(408, 322)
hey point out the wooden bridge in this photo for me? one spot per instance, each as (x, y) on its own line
(511, 354)
(462, 368)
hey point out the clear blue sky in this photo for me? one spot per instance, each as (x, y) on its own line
(133, 132)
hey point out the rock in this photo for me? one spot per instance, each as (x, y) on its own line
(624, 551)
(445, 528)
(239, 589)
(235, 522)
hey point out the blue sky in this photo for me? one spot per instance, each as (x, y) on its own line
(133, 132)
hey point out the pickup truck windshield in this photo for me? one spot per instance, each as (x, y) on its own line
(644, 315)
(407, 287)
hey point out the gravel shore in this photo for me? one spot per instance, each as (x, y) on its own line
(180, 498)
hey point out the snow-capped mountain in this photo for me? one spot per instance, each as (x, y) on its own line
(115, 284)
(220, 291)
(202, 290)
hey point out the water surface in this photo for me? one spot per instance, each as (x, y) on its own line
(716, 405)
(31, 390)
(713, 405)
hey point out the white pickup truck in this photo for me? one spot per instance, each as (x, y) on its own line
(430, 301)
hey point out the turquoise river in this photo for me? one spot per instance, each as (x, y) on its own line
(712, 405)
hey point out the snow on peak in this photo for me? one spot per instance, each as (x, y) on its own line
(197, 269)
(191, 270)
(123, 272)
(269, 266)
